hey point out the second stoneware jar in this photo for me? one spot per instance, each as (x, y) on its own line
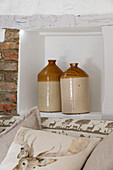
(49, 97)
(74, 90)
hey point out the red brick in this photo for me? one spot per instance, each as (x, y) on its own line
(9, 87)
(6, 107)
(1, 76)
(11, 55)
(8, 45)
(10, 97)
(10, 76)
(9, 72)
(11, 34)
(8, 66)
(17, 42)
(0, 56)
(12, 112)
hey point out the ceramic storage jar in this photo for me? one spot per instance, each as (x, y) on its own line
(74, 90)
(49, 97)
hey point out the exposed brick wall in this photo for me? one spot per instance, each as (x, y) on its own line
(9, 72)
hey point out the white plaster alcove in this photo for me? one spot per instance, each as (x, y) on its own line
(69, 31)
(83, 45)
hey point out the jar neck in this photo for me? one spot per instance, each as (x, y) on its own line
(73, 64)
(52, 61)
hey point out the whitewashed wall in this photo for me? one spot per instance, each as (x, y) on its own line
(31, 61)
(55, 7)
(88, 52)
(108, 72)
(35, 50)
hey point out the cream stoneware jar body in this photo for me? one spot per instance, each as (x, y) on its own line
(74, 90)
(49, 96)
(49, 99)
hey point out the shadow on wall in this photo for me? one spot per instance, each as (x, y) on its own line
(63, 63)
(95, 86)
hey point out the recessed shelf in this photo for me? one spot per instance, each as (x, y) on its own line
(93, 53)
(65, 48)
(91, 115)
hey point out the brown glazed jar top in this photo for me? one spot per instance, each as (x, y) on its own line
(50, 73)
(74, 72)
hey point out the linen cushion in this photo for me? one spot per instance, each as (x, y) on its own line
(35, 149)
(30, 120)
(102, 156)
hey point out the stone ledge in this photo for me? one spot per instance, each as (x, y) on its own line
(43, 22)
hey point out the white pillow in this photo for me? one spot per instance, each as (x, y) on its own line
(102, 156)
(35, 149)
(29, 120)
